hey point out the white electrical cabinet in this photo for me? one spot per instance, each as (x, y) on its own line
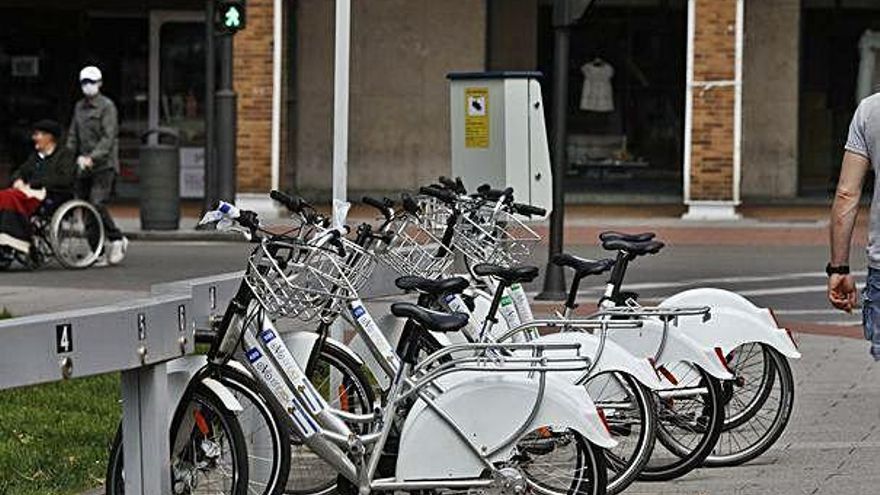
(499, 136)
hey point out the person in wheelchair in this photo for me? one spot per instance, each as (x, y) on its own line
(46, 178)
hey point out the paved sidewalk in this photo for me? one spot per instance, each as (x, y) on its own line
(831, 444)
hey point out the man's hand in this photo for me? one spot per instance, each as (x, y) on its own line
(84, 162)
(842, 292)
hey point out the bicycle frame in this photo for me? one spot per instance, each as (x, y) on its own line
(326, 434)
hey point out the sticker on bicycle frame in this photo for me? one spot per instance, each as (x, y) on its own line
(303, 422)
(521, 302)
(142, 326)
(212, 296)
(291, 369)
(181, 317)
(253, 355)
(64, 338)
(366, 322)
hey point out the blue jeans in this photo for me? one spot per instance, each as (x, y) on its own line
(871, 311)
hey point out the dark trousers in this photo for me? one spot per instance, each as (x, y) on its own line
(97, 189)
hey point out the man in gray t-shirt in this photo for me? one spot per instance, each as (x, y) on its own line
(862, 153)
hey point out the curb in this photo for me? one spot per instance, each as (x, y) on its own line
(184, 235)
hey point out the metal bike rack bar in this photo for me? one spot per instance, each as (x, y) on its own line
(137, 338)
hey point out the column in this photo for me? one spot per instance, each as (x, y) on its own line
(713, 110)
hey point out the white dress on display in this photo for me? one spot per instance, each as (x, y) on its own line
(597, 94)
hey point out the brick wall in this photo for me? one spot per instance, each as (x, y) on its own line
(253, 83)
(712, 138)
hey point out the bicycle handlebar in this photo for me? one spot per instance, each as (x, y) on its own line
(528, 210)
(441, 194)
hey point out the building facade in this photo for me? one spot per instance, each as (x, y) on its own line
(707, 102)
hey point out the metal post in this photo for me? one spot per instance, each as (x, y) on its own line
(210, 194)
(146, 446)
(554, 277)
(226, 123)
(340, 100)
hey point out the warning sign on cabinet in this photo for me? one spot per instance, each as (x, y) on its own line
(476, 120)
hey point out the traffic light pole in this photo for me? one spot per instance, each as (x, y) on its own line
(210, 195)
(225, 100)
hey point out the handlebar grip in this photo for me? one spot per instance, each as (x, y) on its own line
(448, 183)
(292, 204)
(441, 194)
(496, 194)
(459, 186)
(409, 204)
(529, 210)
(379, 205)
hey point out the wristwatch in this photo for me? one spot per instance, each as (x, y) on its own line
(838, 270)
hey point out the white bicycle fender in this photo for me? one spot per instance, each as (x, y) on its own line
(229, 401)
(734, 321)
(645, 342)
(181, 373)
(488, 408)
(614, 358)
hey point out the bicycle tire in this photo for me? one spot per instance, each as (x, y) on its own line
(782, 414)
(686, 460)
(624, 471)
(198, 393)
(276, 437)
(352, 372)
(590, 473)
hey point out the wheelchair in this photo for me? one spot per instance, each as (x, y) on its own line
(66, 229)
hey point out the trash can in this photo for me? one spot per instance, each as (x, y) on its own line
(159, 174)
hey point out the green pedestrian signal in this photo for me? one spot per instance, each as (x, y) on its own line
(229, 17)
(233, 18)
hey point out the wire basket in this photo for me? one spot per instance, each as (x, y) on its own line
(415, 249)
(487, 235)
(296, 280)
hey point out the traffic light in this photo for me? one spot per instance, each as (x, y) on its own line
(229, 16)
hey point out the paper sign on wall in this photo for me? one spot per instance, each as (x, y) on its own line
(476, 120)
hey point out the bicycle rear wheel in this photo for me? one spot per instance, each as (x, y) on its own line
(689, 424)
(629, 410)
(560, 463)
(759, 402)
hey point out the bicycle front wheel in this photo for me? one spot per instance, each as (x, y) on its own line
(208, 453)
(345, 386)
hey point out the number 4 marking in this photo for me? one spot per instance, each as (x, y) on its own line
(63, 338)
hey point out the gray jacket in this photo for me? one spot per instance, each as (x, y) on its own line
(94, 132)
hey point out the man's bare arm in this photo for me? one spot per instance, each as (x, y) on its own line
(846, 205)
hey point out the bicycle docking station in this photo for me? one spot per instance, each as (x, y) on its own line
(498, 134)
(137, 338)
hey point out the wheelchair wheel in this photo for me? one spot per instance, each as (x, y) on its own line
(76, 234)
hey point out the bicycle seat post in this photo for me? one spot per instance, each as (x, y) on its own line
(612, 289)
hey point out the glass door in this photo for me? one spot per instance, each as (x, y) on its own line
(177, 89)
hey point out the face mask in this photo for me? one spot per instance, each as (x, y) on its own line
(90, 89)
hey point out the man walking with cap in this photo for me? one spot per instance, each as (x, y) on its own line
(93, 137)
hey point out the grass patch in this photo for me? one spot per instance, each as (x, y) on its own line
(54, 438)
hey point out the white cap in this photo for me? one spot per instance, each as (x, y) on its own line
(91, 72)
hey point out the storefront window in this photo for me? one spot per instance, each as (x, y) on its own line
(626, 79)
